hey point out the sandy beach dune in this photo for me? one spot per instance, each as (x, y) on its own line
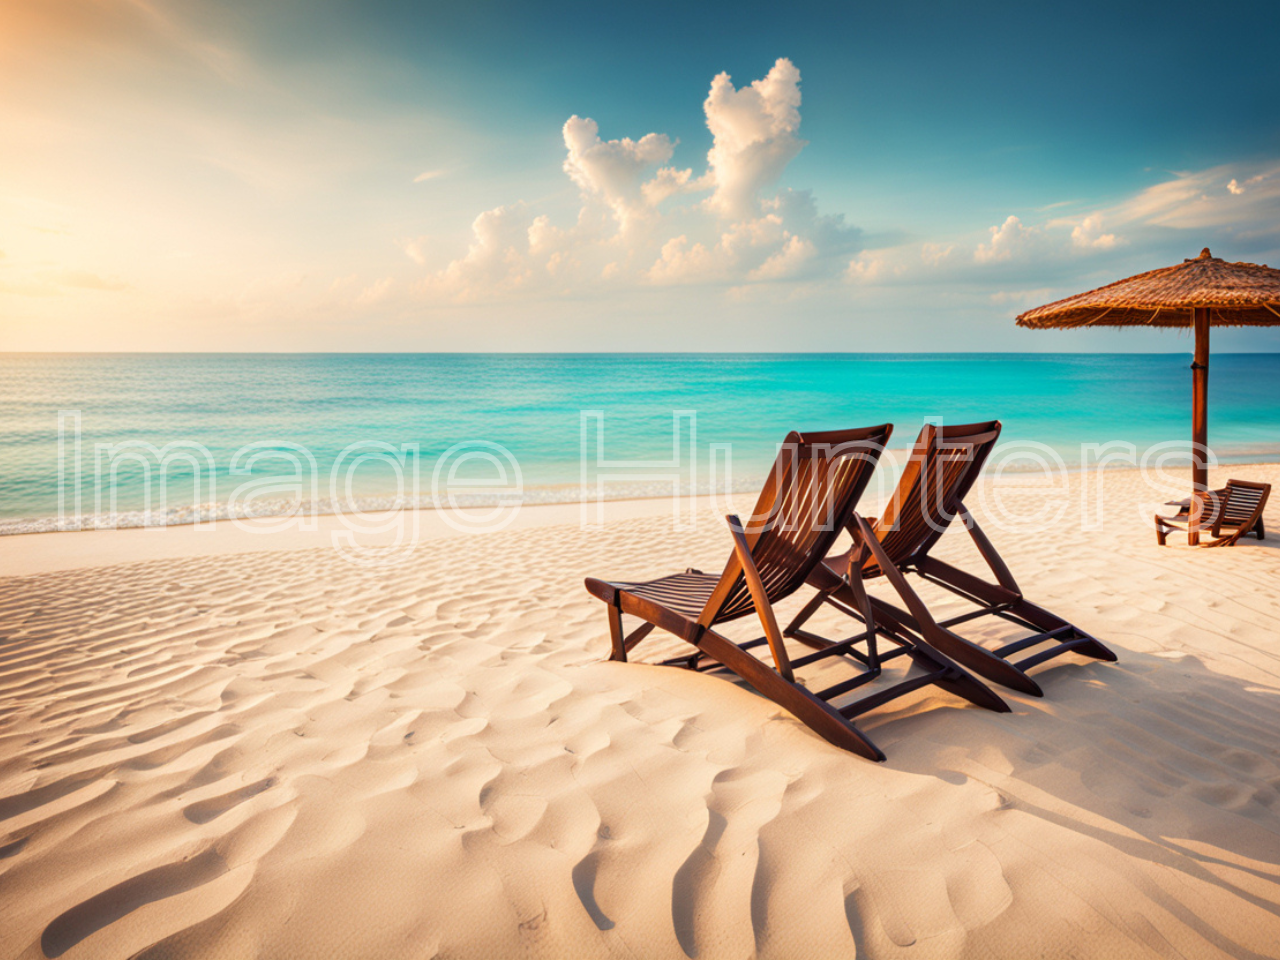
(280, 753)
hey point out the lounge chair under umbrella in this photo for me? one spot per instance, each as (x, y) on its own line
(1200, 293)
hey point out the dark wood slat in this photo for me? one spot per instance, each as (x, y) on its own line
(834, 649)
(966, 617)
(881, 697)
(1031, 641)
(1052, 652)
(845, 686)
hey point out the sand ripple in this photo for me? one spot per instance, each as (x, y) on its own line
(286, 755)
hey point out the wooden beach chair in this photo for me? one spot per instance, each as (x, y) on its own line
(810, 495)
(1237, 507)
(943, 466)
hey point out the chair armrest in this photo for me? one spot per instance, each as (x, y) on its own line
(760, 596)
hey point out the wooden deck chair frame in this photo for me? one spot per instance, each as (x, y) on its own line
(943, 467)
(809, 497)
(1238, 505)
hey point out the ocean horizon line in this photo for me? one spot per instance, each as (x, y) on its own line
(921, 354)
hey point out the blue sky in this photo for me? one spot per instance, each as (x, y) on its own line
(391, 176)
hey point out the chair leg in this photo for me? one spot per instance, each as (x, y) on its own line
(815, 714)
(1047, 621)
(1260, 529)
(615, 634)
(966, 686)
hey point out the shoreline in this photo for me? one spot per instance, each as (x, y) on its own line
(34, 553)
(218, 513)
(29, 554)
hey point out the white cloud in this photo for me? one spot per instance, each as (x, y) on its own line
(787, 262)
(1010, 239)
(1088, 233)
(683, 262)
(874, 266)
(757, 250)
(1191, 208)
(755, 136)
(613, 170)
(639, 221)
(1205, 200)
(426, 175)
(668, 182)
(934, 254)
(497, 262)
(630, 228)
(415, 250)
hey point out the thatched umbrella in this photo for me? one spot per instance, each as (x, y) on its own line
(1201, 293)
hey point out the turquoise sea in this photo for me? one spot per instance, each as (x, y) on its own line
(526, 412)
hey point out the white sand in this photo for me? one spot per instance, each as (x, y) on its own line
(240, 749)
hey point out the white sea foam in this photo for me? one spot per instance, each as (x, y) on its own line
(326, 506)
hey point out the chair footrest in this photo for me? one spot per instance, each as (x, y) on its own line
(1031, 641)
(835, 649)
(991, 611)
(859, 707)
(1052, 652)
(846, 685)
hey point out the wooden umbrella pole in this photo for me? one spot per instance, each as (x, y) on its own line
(1199, 419)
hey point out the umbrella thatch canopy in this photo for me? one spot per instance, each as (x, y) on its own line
(1195, 294)
(1235, 295)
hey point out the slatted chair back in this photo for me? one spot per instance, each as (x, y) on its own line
(1238, 506)
(807, 500)
(944, 465)
(1212, 503)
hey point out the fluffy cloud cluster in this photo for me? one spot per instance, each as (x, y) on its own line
(1088, 234)
(632, 226)
(643, 221)
(755, 136)
(759, 249)
(611, 171)
(1235, 209)
(1010, 239)
(1013, 241)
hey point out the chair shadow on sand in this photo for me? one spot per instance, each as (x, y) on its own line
(1159, 746)
(1158, 757)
